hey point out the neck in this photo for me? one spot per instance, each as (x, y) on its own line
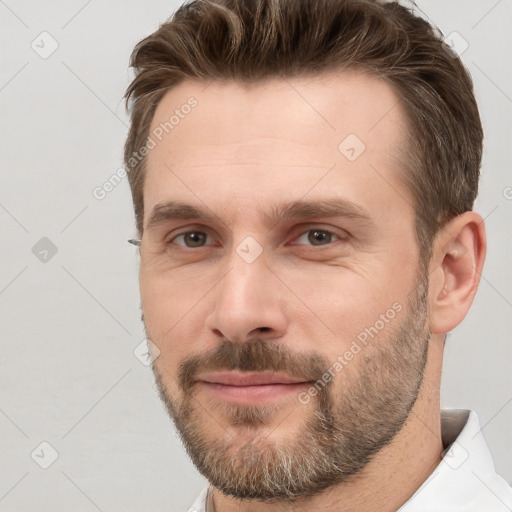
(391, 477)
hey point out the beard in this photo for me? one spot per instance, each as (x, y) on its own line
(347, 424)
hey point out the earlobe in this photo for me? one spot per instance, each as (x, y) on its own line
(458, 258)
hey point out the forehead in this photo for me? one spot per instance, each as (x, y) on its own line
(275, 138)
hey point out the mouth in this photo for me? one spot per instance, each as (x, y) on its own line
(250, 387)
(248, 379)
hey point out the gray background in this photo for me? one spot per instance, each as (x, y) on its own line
(70, 321)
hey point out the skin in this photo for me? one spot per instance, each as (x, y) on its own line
(239, 153)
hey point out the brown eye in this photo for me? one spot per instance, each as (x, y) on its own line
(192, 239)
(319, 237)
(316, 237)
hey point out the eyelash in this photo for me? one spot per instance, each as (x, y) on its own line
(340, 238)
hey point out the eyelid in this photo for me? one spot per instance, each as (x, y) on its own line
(169, 237)
(172, 240)
(339, 233)
(335, 230)
(296, 232)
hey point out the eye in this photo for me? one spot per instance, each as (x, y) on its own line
(191, 239)
(317, 237)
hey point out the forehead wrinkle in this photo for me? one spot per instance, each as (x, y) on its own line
(329, 207)
(299, 209)
(177, 210)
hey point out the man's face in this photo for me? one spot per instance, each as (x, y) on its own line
(303, 264)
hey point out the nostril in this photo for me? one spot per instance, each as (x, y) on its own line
(263, 329)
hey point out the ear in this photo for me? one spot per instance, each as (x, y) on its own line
(457, 260)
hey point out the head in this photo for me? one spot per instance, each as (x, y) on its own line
(303, 177)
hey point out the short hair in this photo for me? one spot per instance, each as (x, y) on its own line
(248, 41)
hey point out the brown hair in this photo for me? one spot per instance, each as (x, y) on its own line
(251, 40)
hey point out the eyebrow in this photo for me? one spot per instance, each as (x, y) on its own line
(295, 210)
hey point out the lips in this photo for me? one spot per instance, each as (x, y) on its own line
(248, 379)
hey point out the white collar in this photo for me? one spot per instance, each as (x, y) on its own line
(465, 480)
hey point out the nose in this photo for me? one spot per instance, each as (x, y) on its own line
(248, 303)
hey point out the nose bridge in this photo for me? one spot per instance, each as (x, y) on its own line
(243, 277)
(246, 299)
(246, 284)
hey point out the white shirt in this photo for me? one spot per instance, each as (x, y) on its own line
(465, 480)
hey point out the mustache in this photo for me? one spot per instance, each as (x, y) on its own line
(252, 356)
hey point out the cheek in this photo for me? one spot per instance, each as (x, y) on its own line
(165, 297)
(345, 303)
(163, 307)
(173, 315)
(154, 299)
